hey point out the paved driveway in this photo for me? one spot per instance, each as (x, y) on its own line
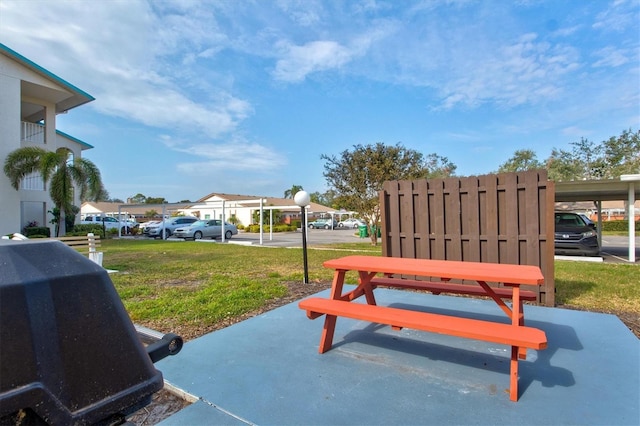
(614, 248)
(294, 239)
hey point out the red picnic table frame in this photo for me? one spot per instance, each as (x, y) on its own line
(515, 334)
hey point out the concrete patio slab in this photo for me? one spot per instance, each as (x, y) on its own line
(267, 371)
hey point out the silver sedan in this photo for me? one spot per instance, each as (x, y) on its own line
(210, 228)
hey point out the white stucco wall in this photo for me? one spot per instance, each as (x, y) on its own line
(9, 141)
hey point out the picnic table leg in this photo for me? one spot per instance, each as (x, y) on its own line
(517, 318)
(513, 393)
(489, 291)
(337, 284)
(326, 338)
(365, 282)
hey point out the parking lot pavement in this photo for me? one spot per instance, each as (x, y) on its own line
(615, 249)
(294, 239)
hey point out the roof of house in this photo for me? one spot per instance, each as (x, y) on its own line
(83, 144)
(73, 95)
(251, 200)
(286, 204)
(90, 207)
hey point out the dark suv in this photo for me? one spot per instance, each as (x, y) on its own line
(573, 235)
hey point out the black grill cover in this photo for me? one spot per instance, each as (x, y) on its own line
(68, 351)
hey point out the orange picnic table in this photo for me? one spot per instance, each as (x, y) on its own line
(436, 276)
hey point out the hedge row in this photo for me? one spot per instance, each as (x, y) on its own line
(618, 226)
(267, 228)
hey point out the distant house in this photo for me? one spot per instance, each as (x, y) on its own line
(243, 207)
(30, 99)
(211, 206)
(93, 208)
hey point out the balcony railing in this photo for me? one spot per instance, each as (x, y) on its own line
(32, 132)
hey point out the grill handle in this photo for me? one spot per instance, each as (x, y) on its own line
(159, 345)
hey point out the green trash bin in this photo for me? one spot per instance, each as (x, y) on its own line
(363, 231)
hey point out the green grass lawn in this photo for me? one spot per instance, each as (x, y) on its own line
(177, 286)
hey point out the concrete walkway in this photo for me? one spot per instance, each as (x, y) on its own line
(267, 371)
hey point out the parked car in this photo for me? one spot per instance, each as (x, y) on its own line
(573, 235)
(145, 225)
(587, 220)
(206, 229)
(351, 223)
(321, 223)
(165, 229)
(109, 222)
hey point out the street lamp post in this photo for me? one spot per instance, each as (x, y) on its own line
(302, 199)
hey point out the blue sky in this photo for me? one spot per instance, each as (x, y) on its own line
(194, 97)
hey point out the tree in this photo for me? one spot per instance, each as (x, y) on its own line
(70, 218)
(326, 199)
(155, 200)
(522, 160)
(60, 172)
(290, 193)
(357, 176)
(439, 167)
(588, 160)
(622, 154)
(102, 195)
(138, 199)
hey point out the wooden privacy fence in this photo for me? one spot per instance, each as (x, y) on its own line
(503, 218)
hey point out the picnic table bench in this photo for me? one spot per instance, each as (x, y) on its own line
(514, 334)
(86, 244)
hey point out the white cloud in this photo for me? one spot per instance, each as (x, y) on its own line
(611, 57)
(620, 15)
(525, 72)
(119, 52)
(304, 13)
(232, 157)
(300, 61)
(574, 132)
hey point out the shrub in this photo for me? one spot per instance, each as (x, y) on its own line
(618, 225)
(266, 228)
(37, 232)
(85, 229)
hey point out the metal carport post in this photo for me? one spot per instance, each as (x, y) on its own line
(632, 179)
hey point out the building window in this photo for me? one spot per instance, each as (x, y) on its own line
(32, 182)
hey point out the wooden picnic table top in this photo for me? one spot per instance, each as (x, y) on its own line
(451, 269)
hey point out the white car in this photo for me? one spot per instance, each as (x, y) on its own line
(351, 223)
(145, 225)
(109, 222)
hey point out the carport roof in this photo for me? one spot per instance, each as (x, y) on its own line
(597, 190)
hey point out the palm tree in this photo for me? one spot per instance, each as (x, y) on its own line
(56, 169)
(290, 193)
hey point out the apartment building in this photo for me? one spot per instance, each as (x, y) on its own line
(30, 99)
